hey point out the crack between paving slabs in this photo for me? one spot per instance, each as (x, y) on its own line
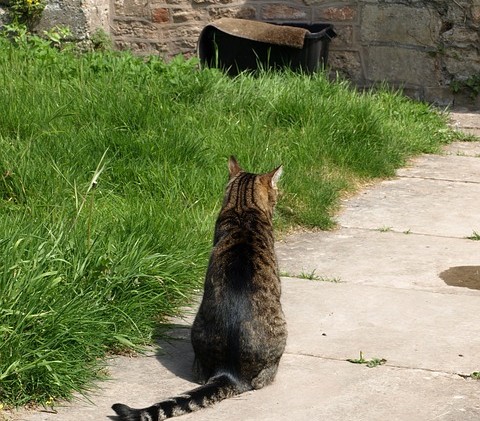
(392, 288)
(439, 179)
(402, 232)
(386, 364)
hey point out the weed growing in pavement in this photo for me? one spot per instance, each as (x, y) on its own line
(309, 275)
(384, 229)
(475, 236)
(374, 362)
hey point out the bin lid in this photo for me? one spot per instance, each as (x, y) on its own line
(261, 31)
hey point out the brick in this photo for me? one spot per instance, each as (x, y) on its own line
(462, 63)
(440, 96)
(283, 12)
(316, 2)
(344, 38)
(400, 24)
(159, 47)
(161, 15)
(188, 15)
(182, 39)
(181, 46)
(457, 11)
(347, 64)
(336, 14)
(475, 12)
(4, 16)
(141, 48)
(134, 29)
(239, 12)
(401, 65)
(134, 8)
(122, 29)
(213, 1)
(465, 100)
(461, 36)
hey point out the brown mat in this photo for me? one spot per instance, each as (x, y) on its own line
(262, 32)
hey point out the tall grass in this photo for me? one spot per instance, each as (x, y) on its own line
(111, 173)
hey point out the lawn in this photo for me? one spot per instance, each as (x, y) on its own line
(112, 169)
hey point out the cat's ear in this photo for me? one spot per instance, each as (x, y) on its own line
(274, 176)
(233, 166)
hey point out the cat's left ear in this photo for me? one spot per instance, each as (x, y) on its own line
(275, 176)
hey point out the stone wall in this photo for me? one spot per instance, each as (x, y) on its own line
(422, 46)
(426, 47)
(83, 17)
(3, 12)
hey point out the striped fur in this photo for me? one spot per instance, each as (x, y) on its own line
(239, 332)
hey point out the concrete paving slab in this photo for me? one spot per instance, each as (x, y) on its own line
(463, 148)
(414, 329)
(423, 206)
(389, 259)
(463, 168)
(473, 132)
(465, 119)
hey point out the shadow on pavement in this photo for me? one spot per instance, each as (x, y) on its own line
(176, 352)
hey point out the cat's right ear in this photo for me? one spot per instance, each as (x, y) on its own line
(233, 166)
(276, 173)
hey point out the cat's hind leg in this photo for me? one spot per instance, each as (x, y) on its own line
(265, 377)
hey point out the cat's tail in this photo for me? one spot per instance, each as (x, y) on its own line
(219, 387)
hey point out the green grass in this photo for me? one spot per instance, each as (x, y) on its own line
(111, 174)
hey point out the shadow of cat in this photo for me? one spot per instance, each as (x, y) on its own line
(175, 351)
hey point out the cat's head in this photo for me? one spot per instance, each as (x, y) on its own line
(252, 190)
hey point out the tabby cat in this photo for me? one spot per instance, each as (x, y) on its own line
(239, 332)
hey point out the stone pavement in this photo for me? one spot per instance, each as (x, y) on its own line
(398, 280)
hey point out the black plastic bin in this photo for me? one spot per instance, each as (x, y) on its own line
(235, 53)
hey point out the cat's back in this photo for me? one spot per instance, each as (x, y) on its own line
(243, 254)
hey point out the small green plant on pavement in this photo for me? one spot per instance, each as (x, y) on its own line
(373, 362)
(475, 236)
(312, 276)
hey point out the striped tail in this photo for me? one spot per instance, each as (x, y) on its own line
(218, 388)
